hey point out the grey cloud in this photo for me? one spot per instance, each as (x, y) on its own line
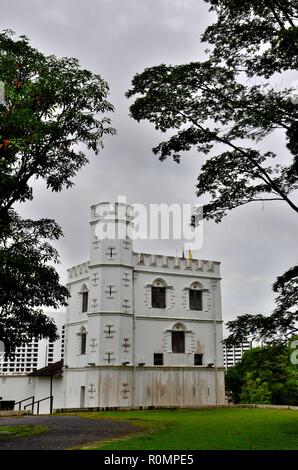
(118, 38)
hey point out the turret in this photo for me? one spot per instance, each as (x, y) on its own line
(111, 284)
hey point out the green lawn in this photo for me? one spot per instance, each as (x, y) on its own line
(218, 429)
(9, 432)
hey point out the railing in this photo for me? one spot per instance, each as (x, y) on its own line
(25, 399)
(50, 397)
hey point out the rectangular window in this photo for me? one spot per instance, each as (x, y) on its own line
(158, 359)
(198, 359)
(195, 299)
(158, 297)
(178, 342)
(85, 302)
(83, 343)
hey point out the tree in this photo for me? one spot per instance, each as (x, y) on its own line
(257, 36)
(27, 282)
(264, 375)
(51, 106)
(52, 109)
(280, 325)
(215, 106)
(255, 391)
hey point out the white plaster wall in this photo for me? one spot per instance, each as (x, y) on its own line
(20, 387)
(73, 357)
(146, 386)
(154, 336)
(149, 385)
(16, 387)
(177, 297)
(74, 379)
(74, 308)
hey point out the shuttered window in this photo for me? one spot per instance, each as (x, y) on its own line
(158, 297)
(85, 302)
(178, 342)
(195, 299)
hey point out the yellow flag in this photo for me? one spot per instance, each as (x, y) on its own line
(189, 254)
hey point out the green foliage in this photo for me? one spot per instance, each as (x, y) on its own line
(28, 283)
(280, 325)
(260, 36)
(53, 110)
(264, 375)
(51, 106)
(255, 391)
(207, 104)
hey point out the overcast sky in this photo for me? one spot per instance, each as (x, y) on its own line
(118, 38)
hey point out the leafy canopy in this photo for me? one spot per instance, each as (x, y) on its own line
(280, 325)
(264, 375)
(257, 36)
(53, 112)
(51, 106)
(208, 108)
(226, 108)
(28, 283)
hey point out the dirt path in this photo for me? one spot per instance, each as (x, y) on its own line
(63, 432)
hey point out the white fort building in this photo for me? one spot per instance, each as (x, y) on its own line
(141, 330)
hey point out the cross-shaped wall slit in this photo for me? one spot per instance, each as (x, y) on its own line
(126, 344)
(93, 344)
(109, 357)
(109, 331)
(125, 390)
(95, 279)
(110, 291)
(126, 244)
(126, 279)
(111, 252)
(96, 243)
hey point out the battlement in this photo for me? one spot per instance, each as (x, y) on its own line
(175, 263)
(107, 211)
(153, 262)
(78, 271)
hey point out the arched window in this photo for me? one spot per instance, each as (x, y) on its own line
(158, 294)
(83, 340)
(84, 292)
(195, 296)
(178, 338)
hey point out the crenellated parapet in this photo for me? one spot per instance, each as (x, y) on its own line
(77, 272)
(177, 264)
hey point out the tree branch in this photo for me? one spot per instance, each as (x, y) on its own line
(239, 149)
(287, 16)
(277, 18)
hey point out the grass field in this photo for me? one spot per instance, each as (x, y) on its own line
(9, 432)
(215, 429)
